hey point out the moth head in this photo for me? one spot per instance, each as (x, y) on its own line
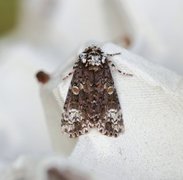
(93, 56)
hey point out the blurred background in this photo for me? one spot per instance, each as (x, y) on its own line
(43, 34)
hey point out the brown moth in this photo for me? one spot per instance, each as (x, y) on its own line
(92, 100)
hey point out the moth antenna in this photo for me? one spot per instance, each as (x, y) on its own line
(69, 74)
(73, 69)
(115, 54)
(118, 70)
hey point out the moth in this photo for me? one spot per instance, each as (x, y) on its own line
(92, 100)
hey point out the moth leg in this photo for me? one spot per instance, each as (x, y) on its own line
(121, 72)
(115, 54)
(72, 72)
(68, 75)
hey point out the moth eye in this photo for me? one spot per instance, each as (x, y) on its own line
(110, 90)
(75, 90)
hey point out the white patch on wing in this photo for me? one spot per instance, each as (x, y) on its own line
(113, 115)
(73, 115)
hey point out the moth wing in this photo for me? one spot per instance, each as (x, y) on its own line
(74, 121)
(111, 118)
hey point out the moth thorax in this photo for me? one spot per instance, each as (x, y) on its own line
(93, 56)
(95, 60)
(94, 68)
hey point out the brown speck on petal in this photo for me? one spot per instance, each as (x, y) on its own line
(42, 77)
(56, 174)
(127, 41)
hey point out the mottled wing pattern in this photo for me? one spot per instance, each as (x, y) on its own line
(110, 120)
(92, 101)
(75, 121)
